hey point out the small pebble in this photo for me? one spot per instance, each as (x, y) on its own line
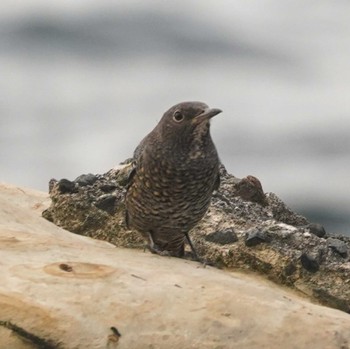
(309, 263)
(223, 237)
(115, 331)
(106, 203)
(338, 246)
(65, 186)
(317, 229)
(289, 269)
(86, 179)
(52, 184)
(255, 237)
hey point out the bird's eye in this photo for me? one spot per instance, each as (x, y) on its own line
(178, 116)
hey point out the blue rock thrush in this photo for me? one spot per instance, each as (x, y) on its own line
(175, 171)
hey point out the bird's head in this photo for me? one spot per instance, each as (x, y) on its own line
(187, 122)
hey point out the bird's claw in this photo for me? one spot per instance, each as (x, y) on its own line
(156, 250)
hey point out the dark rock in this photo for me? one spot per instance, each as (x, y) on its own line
(224, 237)
(106, 203)
(309, 262)
(250, 189)
(255, 237)
(289, 269)
(338, 246)
(52, 183)
(66, 187)
(317, 229)
(86, 179)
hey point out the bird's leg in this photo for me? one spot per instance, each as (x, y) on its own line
(154, 248)
(151, 245)
(194, 253)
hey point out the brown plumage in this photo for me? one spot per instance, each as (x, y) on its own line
(176, 169)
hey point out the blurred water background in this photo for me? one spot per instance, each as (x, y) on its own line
(83, 81)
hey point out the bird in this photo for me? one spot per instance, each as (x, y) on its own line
(175, 170)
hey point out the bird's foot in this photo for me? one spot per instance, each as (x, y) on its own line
(205, 263)
(194, 253)
(155, 249)
(193, 257)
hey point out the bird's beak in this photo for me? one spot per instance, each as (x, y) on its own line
(208, 114)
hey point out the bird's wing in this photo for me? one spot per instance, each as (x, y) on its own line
(131, 175)
(137, 159)
(217, 182)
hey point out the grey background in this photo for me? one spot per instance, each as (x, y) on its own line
(82, 82)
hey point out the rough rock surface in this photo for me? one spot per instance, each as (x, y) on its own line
(244, 228)
(62, 290)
